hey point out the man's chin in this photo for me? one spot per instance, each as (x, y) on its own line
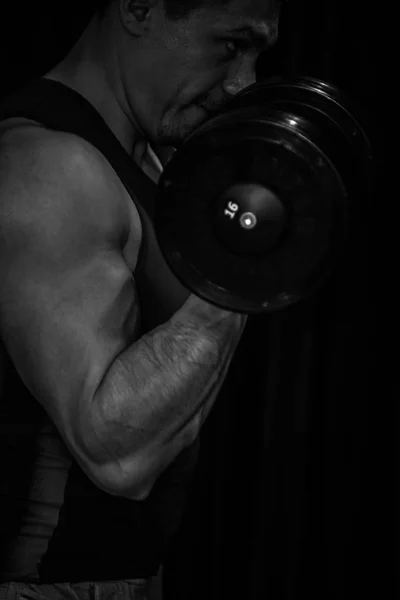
(197, 116)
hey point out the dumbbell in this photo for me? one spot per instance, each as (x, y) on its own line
(252, 211)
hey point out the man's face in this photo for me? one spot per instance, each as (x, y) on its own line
(181, 72)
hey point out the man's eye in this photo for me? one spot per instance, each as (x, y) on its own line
(234, 47)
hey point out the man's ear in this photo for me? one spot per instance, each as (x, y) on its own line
(136, 14)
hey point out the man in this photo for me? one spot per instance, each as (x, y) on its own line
(110, 365)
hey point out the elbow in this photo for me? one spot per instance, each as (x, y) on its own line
(113, 479)
(132, 492)
(129, 482)
(125, 477)
(137, 495)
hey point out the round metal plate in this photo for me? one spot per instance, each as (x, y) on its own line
(251, 146)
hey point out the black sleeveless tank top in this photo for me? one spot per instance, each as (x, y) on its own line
(55, 524)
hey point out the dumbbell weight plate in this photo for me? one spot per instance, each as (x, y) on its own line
(247, 153)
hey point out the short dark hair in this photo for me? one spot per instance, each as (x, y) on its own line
(176, 10)
(181, 9)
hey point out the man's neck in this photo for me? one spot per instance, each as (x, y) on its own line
(86, 71)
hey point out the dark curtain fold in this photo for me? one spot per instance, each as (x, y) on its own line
(282, 504)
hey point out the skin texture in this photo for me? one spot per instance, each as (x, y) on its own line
(148, 76)
(70, 236)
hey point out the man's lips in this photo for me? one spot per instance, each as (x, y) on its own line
(210, 111)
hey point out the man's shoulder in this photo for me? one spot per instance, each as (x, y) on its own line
(21, 138)
(37, 163)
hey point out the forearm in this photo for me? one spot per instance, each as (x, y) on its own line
(154, 398)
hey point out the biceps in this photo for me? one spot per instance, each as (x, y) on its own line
(63, 330)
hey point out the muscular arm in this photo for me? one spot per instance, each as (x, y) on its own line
(125, 407)
(156, 394)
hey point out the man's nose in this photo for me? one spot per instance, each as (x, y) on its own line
(240, 80)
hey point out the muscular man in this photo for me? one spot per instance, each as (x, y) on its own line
(109, 366)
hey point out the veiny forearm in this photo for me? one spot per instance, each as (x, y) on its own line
(155, 396)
